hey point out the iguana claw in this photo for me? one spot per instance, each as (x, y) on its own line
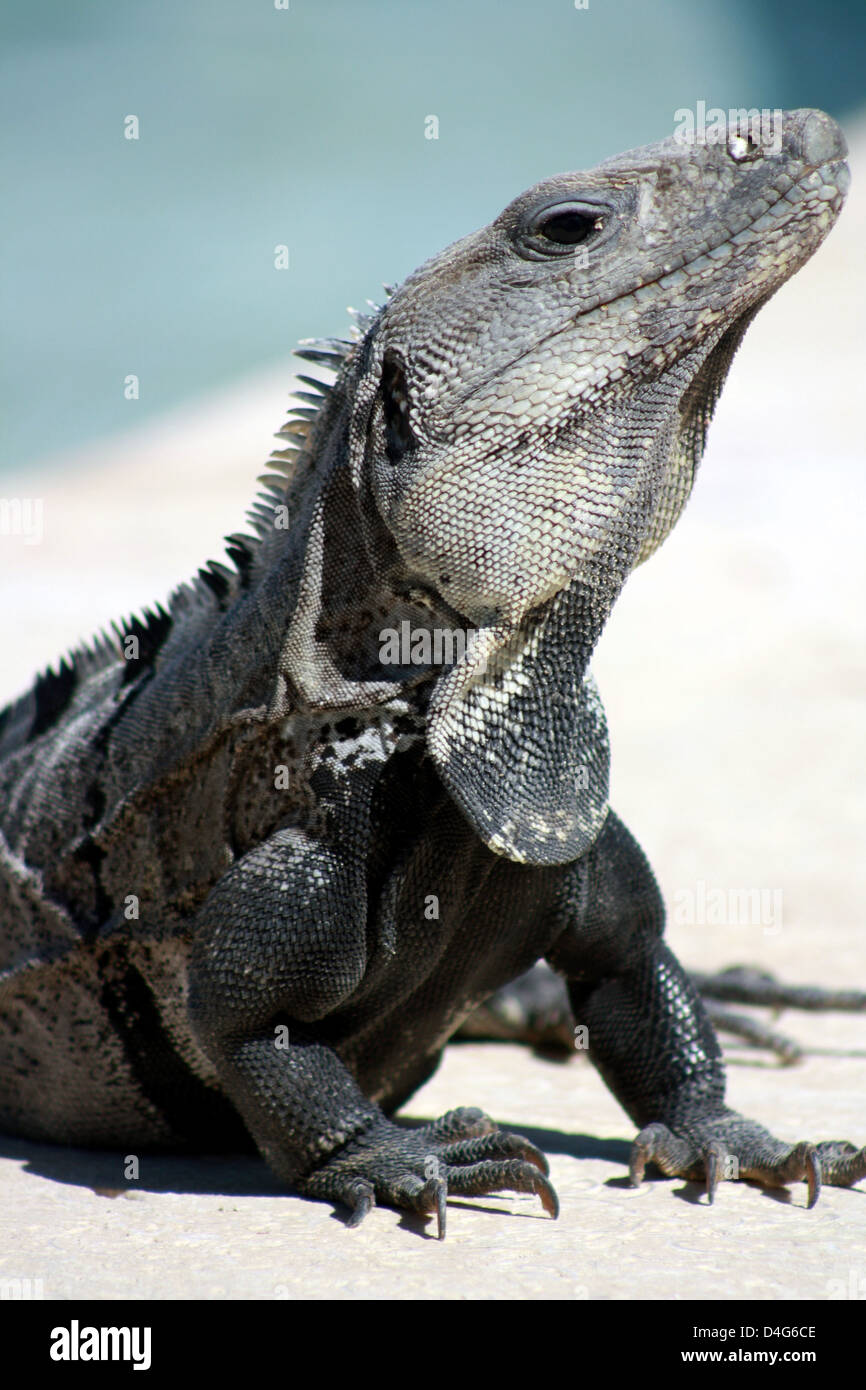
(736, 1148)
(461, 1154)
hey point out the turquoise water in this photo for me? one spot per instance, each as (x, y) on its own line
(305, 127)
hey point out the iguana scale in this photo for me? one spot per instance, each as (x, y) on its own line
(267, 848)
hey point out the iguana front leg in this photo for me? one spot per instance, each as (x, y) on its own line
(650, 1037)
(280, 944)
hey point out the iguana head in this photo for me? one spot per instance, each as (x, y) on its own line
(531, 378)
(525, 417)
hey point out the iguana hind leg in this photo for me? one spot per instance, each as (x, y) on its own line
(535, 1009)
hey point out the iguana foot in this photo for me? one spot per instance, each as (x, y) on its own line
(463, 1153)
(752, 1030)
(729, 1147)
(746, 984)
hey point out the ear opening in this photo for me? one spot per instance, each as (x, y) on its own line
(399, 438)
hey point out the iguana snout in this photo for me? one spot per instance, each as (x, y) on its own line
(543, 384)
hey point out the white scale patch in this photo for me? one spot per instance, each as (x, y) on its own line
(375, 735)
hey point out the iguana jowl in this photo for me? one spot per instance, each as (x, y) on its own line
(219, 858)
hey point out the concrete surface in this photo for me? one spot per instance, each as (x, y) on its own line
(732, 671)
(219, 1228)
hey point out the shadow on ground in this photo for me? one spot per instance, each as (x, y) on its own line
(240, 1175)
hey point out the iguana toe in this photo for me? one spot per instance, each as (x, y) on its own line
(459, 1154)
(842, 1164)
(498, 1145)
(730, 1147)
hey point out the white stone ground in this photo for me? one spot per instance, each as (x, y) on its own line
(732, 671)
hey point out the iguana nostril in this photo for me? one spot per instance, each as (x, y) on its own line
(821, 139)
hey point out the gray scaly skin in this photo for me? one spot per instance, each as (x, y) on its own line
(255, 874)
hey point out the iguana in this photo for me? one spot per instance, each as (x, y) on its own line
(268, 847)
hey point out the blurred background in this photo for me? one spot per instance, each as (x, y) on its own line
(305, 127)
(732, 668)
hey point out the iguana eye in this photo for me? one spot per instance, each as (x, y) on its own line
(554, 229)
(567, 226)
